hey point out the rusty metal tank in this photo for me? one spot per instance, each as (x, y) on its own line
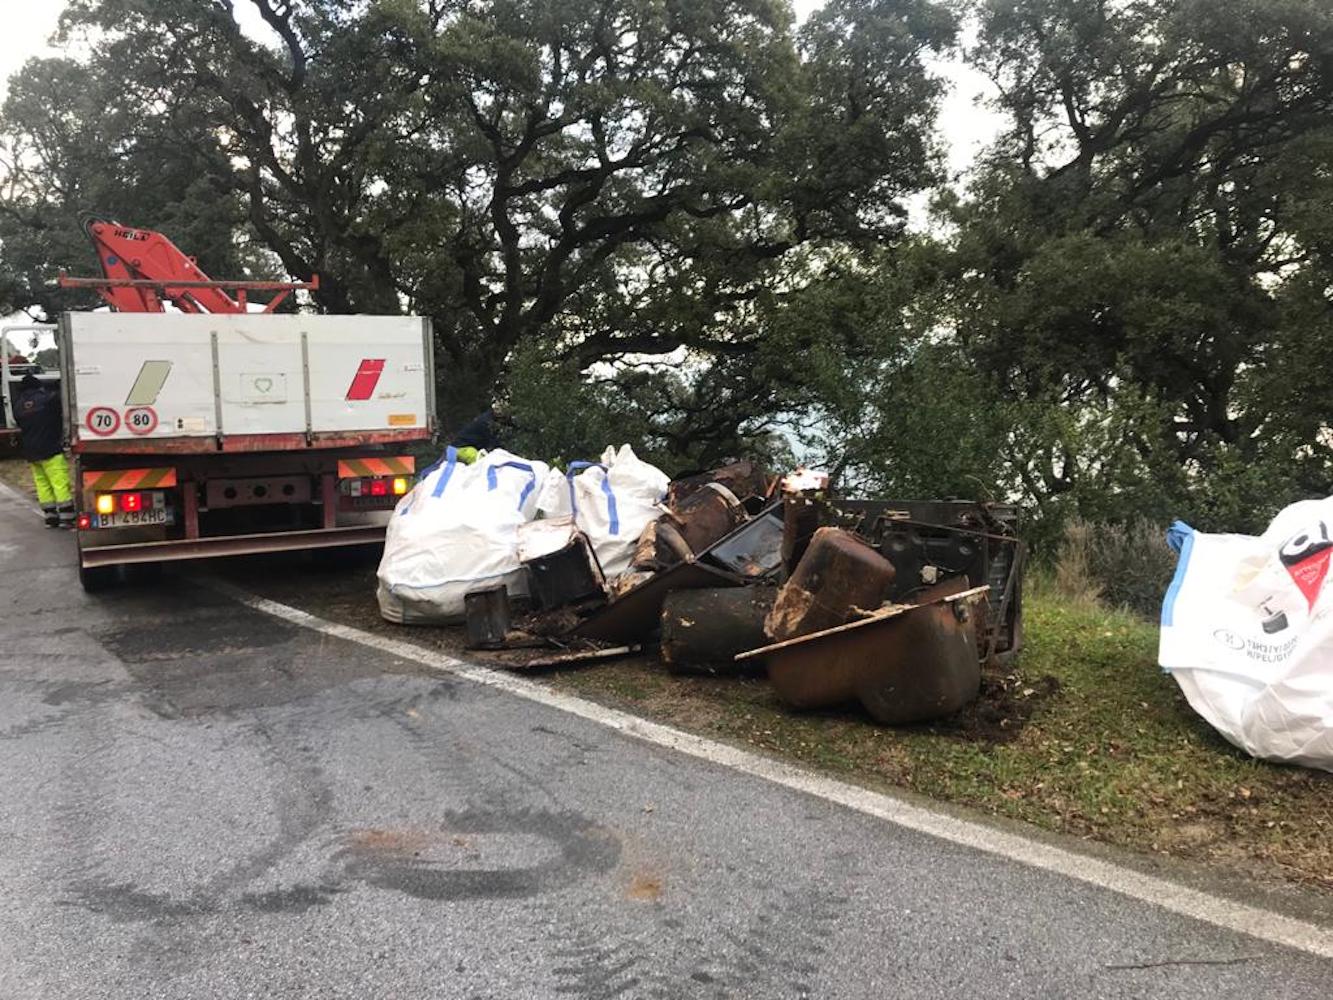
(904, 664)
(703, 630)
(838, 575)
(707, 515)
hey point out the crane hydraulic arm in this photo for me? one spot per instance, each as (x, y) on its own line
(142, 269)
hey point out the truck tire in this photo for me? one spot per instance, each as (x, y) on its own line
(95, 578)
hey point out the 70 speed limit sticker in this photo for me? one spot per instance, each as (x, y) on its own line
(141, 420)
(102, 421)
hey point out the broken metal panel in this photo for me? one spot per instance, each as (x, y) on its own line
(838, 575)
(929, 540)
(567, 576)
(703, 630)
(905, 663)
(561, 565)
(637, 613)
(754, 550)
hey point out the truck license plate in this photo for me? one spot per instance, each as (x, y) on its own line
(134, 518)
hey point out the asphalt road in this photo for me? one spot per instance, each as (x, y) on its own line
(197, 800)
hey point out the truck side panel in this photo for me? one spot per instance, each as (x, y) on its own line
(118, 363)
(146, 377)
(370, 377)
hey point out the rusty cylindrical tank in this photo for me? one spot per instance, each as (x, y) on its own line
(838, 574)
(703, 630)
(707, 515)
(914, 664)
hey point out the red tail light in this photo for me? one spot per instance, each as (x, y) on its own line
(379, 488)
(84, 522)
(131, 501)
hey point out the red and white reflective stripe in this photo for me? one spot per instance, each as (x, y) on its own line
(365, 379)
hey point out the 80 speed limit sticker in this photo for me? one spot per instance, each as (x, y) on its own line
(102, 421)
(141, 420)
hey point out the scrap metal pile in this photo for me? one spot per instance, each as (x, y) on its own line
(892, 605)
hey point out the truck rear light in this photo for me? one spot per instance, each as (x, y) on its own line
(131, 502)
(106, 503)
(84, 522)
(379, 488)
(354, 488)
(399, 486)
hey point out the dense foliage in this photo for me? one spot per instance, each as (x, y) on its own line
(682, 222)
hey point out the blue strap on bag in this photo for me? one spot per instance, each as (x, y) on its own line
(612, 514)
(450, 459)
(1180, 537)
(493, 479)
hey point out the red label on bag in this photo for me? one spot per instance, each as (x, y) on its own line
(1309, 575)
(1306, 555)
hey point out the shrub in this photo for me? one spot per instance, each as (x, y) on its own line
(1125, 565)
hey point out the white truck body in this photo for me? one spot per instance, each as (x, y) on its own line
(147, 376)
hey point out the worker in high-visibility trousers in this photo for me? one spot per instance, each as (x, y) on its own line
(37, 413)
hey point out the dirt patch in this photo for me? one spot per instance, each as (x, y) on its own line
(645, 887)
(1008, 700)
(392, 841)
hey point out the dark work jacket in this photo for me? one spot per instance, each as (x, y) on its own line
(480, 432)
(37, 413)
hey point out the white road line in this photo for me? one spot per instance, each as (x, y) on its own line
(1265, 925)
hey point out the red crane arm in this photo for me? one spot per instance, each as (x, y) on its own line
(142, 268)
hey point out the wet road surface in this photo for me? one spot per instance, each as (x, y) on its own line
(197, 800)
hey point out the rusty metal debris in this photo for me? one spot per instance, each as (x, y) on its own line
(903, 663)
(703, 630)
(801, 517)
(707, 515)
(744, 479)
(577, 658)
(838, 575)
(486, 616)
(932, 540)
(754, 550)
(567, 575)
(893, 605)
(636, 614)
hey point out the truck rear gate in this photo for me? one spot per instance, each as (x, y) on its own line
(208, 434)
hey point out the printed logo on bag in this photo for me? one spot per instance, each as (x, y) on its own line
(1306, 556)
(1229, 639)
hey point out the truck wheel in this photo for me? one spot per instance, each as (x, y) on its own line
(95, 578)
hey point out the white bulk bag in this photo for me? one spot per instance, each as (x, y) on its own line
(455, 532)
(1247, 632)
(611, 501)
